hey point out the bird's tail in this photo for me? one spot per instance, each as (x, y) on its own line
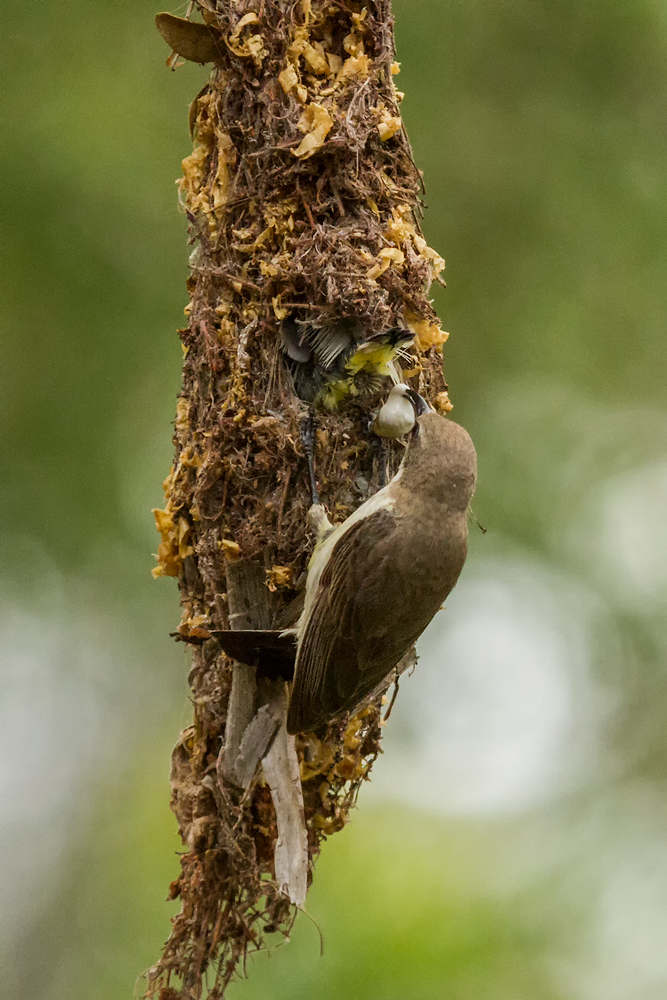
(272, 651)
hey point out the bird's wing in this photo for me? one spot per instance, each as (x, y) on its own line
(352, 637)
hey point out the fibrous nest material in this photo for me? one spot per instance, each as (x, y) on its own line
(303, 202)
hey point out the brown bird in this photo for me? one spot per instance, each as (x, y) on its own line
(375, 581)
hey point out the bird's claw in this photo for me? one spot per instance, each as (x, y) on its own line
(318, 520)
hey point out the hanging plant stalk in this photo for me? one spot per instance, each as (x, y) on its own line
(303, 202)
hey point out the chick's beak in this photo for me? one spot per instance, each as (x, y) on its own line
(419, 403)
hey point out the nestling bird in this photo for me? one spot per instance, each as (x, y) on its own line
(396, 416)
(375, 581)
(333, 361)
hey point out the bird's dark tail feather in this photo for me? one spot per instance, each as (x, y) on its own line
(270, 650)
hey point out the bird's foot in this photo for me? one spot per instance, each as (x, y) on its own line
(319, 521)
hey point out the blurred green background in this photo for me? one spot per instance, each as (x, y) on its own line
(513, 843)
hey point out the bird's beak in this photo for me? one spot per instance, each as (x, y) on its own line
(419, 403)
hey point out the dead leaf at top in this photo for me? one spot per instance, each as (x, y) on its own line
(199, 43)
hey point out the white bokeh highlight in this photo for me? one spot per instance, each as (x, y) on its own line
(502, 712)
(61, 719)
(627, 530)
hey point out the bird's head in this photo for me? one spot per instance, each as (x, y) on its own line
(440, 460)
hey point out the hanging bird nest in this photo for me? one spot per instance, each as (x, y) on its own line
(303, 202)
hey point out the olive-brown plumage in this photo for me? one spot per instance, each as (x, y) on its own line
(376, 581)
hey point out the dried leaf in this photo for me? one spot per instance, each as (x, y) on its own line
(335, 62)
(279, 311)
(245, 20)
(194, 109)
(353, 44)
(427, 333)
(389, 125)
(193, 627)
(315, 57)
(288, 79)
(199, 43)
(354, 66)
(436, 262)
(316, 122)
(401, 225)
(184, 532)
(312, 52)
(231, 550)
(168, 555)
(386, 257)
(252, 47)
(278, 576)
(443, 403)
(251, 247)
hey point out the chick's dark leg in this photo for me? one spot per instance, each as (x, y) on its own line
(308, 439)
